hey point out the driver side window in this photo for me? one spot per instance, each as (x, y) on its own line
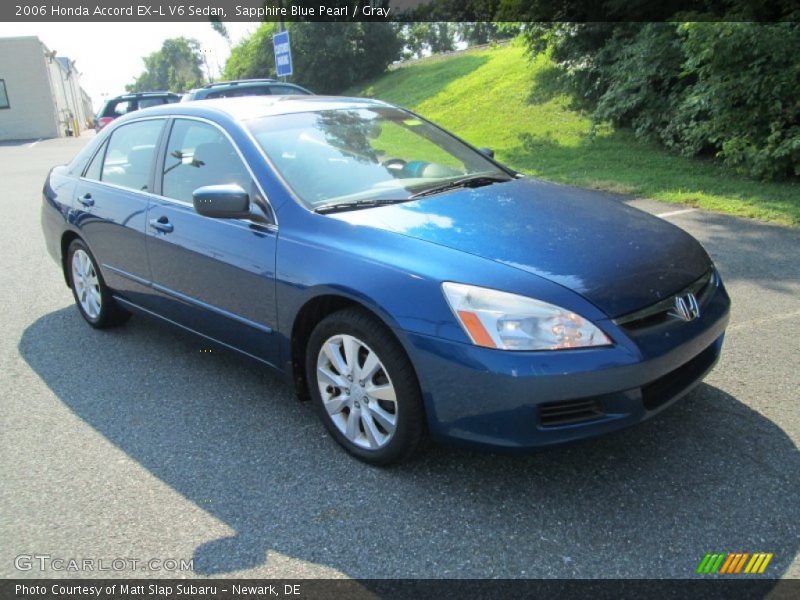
(198, 154)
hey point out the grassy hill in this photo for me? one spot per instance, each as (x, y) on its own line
(497, 97)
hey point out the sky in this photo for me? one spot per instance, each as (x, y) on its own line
(109, 55)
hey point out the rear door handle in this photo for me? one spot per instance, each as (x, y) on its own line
(162, 224)
(86, 200)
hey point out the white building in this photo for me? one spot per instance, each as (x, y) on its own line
(40, 93)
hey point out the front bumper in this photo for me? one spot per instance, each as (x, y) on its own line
(527, 400)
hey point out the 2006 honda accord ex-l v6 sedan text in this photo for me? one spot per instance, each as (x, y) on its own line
(405, 281)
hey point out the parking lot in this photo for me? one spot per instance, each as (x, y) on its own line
(135, 443)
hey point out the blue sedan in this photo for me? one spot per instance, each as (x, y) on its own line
(407, 283)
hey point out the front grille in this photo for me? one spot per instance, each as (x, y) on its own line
(659, 313)
(673, 383)
(570, 412)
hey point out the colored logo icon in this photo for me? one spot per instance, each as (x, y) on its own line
(734, 563)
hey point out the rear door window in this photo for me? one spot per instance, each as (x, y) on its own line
(96, 166)
(235, 92)
(4, 95)
(130, 155)
(117, 108)
(279, 90)
(148, 102)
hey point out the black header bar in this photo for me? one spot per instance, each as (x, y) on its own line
(709, 588)
(148, 11)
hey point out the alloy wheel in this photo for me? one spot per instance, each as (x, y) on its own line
(87, 284)
(357, 392)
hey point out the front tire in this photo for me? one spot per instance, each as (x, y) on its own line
(365, 388)
(92, 296)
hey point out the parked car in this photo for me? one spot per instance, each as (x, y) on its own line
(245, 87)
(122, 105)
(403, 280)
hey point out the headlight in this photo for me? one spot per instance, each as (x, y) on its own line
(494, 319)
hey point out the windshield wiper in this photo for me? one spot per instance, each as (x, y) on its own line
(471, 181)
(343, 206)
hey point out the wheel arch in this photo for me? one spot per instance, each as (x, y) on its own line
(67, 238)
(313, 311)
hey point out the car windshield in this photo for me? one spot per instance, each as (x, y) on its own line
(365, 154)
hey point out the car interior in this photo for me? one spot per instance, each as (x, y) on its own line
(132, 171)
(208, 163)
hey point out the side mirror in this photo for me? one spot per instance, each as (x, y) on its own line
(486, 152)
(222, 201)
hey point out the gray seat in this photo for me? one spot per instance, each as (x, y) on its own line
(135, 172)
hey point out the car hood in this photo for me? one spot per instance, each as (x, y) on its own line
(619, 258)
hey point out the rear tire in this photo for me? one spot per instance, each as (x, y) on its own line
(365, 388)
(92, 296)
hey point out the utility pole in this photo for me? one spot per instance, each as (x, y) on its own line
(281, 27)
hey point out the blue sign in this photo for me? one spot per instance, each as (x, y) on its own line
(283, 53)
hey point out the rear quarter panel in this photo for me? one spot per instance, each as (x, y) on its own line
(57, 198)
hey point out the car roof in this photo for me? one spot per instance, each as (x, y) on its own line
(134, 95)
(241, 83)
(245, 108)
(244, 84)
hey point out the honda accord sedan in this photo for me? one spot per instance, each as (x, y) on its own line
(407, 283)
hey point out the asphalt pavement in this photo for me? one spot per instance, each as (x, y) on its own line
(134, 443)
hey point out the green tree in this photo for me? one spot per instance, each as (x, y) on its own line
(420, 39)
(475, 34)
(415, 37)
(327, 57)
(253, 56)
(743, 100)
(725, 89)
(175, 67)
(220, 28)
(442, 37)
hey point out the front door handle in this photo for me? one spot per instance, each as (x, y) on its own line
(162, 224)
(86, 200)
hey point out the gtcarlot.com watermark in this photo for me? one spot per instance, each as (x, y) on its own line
(46, 562)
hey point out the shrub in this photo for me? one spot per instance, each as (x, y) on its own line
(728, 89)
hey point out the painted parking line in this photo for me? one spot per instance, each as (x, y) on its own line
(32, 144)
(672, 213)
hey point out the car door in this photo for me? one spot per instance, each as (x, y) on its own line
(214, 276)
(111, 204)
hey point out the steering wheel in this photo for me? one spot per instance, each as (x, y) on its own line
(394, 164)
